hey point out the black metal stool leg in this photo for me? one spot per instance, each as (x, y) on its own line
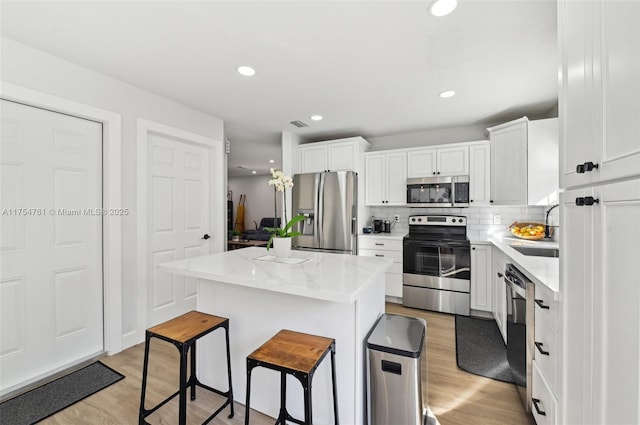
(247, 406)
(182, 407)
(147, 340)
(226, 333)
(282, 416)
(193, 379)
(308, 414)
(335, 388)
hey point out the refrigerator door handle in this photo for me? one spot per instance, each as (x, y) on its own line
(319, 226)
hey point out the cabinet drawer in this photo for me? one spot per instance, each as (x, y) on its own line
(396, 256)
(544, 298)
(393, 284)
(547, 340)
(546, 403)
(380, 243)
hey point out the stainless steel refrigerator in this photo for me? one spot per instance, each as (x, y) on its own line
(329, 202)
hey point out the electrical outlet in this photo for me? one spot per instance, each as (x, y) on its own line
(396, 218)
(496, 219)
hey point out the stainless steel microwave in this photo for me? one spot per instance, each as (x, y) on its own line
(438, 192)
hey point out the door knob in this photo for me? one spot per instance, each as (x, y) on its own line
(205, 237)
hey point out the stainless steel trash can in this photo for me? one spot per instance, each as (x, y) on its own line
(394, 364)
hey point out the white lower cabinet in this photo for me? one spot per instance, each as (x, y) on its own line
(481, 278)
(385, 247)
(499, 292)
(544, 404)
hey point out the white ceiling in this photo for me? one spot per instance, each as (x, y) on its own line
(371, 68)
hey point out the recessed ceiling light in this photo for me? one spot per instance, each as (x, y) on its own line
(442, 7)
(247, 71)
(254, 172)
(271, 161)
(316, 117)
(447, 93)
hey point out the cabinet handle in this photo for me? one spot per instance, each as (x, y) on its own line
(541, 304)
(542, 350)
(379, 255)
(587, 200)
(438, 172)
(500, 274)
(587, 166)
(434, 173)
(471, 200)
(491, 201)
(535, 404)
(474, 248)
(379, 244)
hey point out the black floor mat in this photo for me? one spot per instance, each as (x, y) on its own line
(480, 349)
(52, 397)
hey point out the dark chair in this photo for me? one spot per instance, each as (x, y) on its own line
(259, 234)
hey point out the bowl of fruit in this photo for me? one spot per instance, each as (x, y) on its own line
(528, 230)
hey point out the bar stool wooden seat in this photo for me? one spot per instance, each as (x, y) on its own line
(296, 354)
(183, 332)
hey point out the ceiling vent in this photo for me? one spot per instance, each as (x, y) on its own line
(299, 123)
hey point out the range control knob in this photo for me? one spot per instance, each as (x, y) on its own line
(419, 219)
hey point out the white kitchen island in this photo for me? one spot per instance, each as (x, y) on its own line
(331, 295)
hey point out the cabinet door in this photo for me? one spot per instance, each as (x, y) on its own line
(396, 179)
(375, 175)
(421, 163)
(479, 174)
(509, 165)
(453, 161)
(481, 278)
(313, 159)
(341, 156)
(601, 319)
(499, 293)
(600, 93)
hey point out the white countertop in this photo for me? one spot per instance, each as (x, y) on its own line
(330, 277)
(541, 270)
(393, 235)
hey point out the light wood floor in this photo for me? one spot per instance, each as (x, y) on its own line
(454, 396)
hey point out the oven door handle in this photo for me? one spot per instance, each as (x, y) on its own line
(435, 244)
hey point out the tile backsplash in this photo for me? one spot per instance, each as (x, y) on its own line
(480, 220)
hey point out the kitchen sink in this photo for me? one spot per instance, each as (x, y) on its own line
(537, 251)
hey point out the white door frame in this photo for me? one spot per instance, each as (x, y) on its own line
(111, 197)
(217, 170)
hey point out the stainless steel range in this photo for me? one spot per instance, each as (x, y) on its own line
(437, 264)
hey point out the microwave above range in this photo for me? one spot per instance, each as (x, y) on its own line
(438, 192)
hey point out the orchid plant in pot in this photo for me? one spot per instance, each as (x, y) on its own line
(281, 236)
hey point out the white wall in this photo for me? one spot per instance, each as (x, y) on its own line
(428, 137)
(259, 202)
(34, 69)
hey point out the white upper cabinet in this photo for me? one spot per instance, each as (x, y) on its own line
(333, 155)
(600, 91)
(313, 159)
(432, 162)
(524, 162)
(509, 165)
(386, 178)
(479, 173)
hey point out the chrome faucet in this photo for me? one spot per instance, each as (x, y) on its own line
(547, 233)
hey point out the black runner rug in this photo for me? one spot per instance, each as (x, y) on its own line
(52, 397)
(480, 349)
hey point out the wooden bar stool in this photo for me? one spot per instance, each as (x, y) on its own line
(297, 354)
(183, 332)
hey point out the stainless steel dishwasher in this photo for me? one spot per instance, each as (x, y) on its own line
(520, 330)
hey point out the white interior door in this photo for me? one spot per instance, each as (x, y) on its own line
(178, 217)
(51, 289)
